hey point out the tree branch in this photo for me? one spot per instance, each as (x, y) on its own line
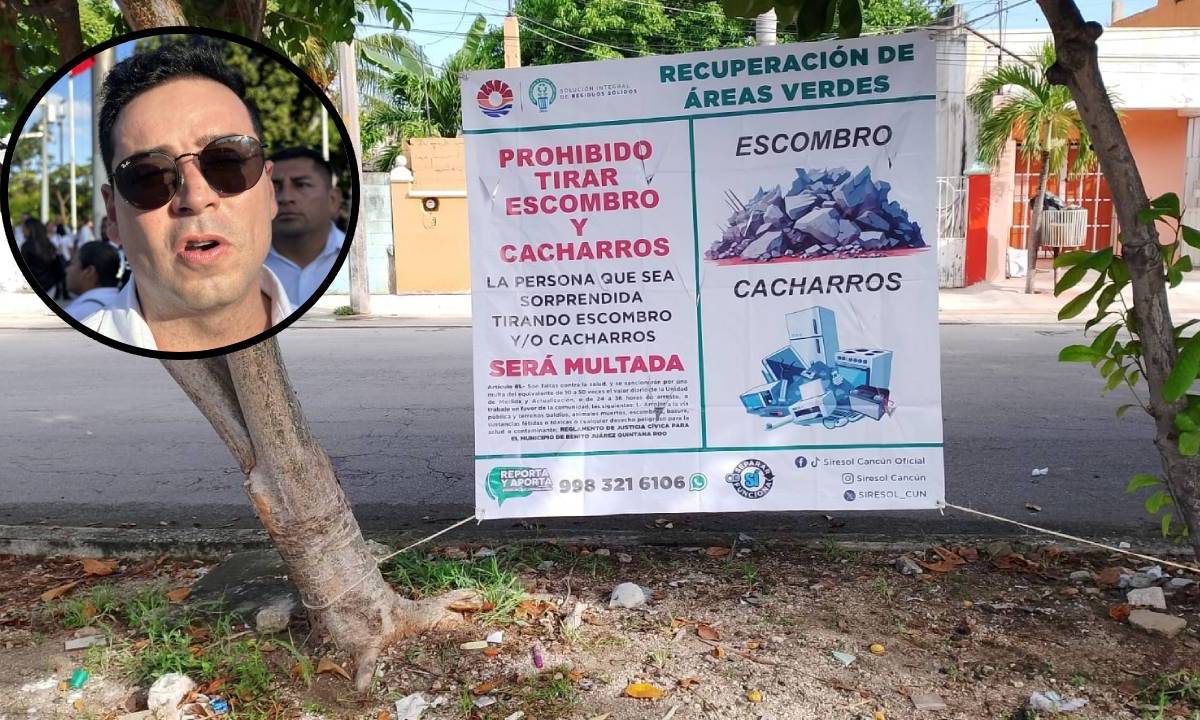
(143, 14)
(209, 385)
(64, 16)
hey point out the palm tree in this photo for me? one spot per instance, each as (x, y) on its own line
(1044, 115)
(419, 100)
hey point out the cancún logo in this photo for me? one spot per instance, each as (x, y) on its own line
(504, 483)
(495, 98)
(751, 479)
(543, 93)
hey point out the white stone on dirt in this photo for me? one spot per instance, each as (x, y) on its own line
(627, 595)
(1177, 584)
(166, 693)
(410, 707)
(1147, 597)
(1157, 623)
(908, 566)
(1083, 576)
(275, 616)
(925, 701)
(1141, 580)
(1052, 702)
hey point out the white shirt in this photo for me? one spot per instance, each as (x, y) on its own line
(83, 236)
(122, 319)
(301, 282)
(64, 243)
(91, 301)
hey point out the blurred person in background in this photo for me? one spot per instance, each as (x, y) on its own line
(92, 275)
(41, 257)
(305, 242)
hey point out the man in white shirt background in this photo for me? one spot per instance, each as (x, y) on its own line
(190, 200)
(305, 243)
(92, 275)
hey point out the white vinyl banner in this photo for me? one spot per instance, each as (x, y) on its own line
(706, 282)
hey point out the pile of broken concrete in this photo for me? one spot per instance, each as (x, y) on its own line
(826, 213)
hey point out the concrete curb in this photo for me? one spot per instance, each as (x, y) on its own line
(39, 541)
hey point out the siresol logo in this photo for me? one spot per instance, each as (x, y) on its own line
(504, 483)
(543, 93)
(495, 98)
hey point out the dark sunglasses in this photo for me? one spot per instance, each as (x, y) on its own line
(231, 165)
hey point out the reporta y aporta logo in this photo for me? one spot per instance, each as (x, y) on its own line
(504, 483)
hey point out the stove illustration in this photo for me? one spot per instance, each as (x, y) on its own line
(811, 380)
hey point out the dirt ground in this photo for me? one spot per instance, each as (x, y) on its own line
(744, 634)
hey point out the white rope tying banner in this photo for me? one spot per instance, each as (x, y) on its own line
(382, 560)
(1151, 558)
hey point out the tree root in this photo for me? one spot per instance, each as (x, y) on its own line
(409, 618)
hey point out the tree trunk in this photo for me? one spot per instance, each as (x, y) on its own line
(249, 401)
(1078, 68)
(64, 18)
(1034, 241)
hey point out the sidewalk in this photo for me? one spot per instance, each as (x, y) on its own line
(984, 303)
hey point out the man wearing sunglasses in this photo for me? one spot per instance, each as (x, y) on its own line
(187, 200)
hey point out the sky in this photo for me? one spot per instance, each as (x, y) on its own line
(436, 21)
(438, 26)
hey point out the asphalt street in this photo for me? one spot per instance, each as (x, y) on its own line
(90, 435)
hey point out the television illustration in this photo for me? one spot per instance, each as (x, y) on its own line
(811, 380)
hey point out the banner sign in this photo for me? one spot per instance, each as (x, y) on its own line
(706, 282)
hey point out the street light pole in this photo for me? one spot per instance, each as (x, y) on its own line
(360, 288)
(45, 208)
(71, 125)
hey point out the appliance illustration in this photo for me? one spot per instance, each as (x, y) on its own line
(864, 366)
(813, 335)
(809, 381)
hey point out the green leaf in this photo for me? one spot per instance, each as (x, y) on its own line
(1114, 380)
(1108, 367)
(1104, 341)
(1141, 480)
(1124, 409)
(1078, 304)
(1184, 373)
(1099, 317)
(1184, 264)
(1070, 279)
(1074, 257)
(1157, 501)
(1190, 235)
(1189, 444)
(1076, 353)
(1150, 215)
(1118, 271)
(1174, 277)
(1185, 423)
(1101, 259)
(1169, 202)
(1179, 329)
(1166, 524)
(850, 19)
(1133, 377)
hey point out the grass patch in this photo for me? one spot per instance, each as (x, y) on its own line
(97, 606)
(550, 693)
(423, 575)
(1176, 695)
(150, 637)
(343, 310)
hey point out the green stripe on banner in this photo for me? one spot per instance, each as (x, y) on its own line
(699, 321)
(675, 118)
(676, 451)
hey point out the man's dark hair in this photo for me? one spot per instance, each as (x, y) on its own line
(104, 258)
(296, 153)
(195, 58)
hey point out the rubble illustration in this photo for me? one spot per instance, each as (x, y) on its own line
(811, 380)
(825, 213)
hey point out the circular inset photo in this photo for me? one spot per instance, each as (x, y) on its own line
(198, 202)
